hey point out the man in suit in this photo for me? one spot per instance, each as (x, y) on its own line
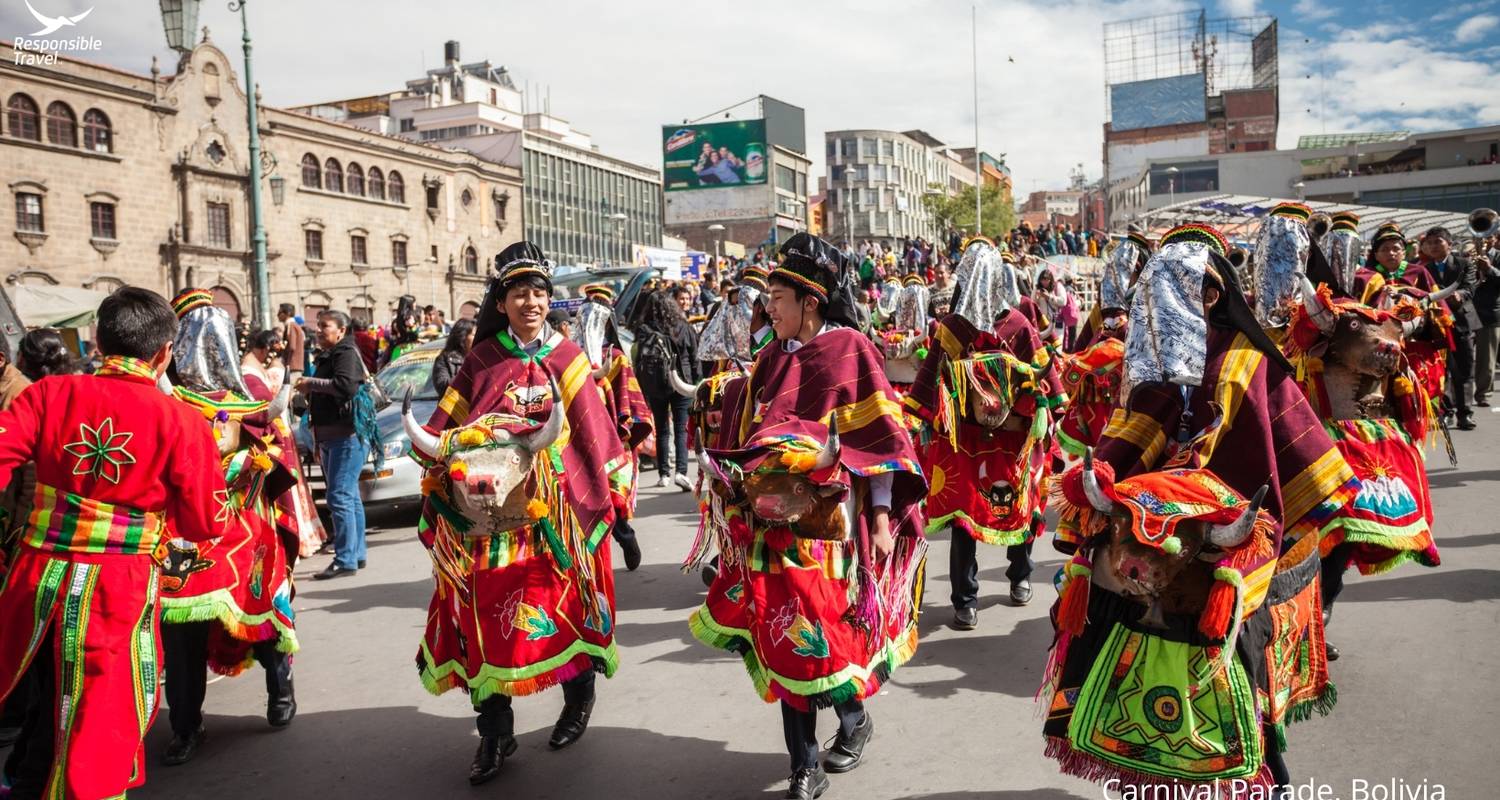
(1447, 268)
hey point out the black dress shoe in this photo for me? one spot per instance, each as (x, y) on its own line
(1020, 592)
(334, 571)
(1466, 423)
(492, 752)
(571, 724)
(325, 550)
(1330, 652)
(362, 563)
(710, 572)
(965, 619)
(632, 554)
(182, 748)
(846, 752)
(807, 783)
(1485, 403)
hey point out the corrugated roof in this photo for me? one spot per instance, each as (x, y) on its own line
(1322, 140)
(1238, 216)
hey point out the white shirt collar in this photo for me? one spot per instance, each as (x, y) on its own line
(532, 346)
(793, 345)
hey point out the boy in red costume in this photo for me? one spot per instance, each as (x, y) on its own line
(116, 459)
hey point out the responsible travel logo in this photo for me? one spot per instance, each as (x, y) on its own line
(33, 51)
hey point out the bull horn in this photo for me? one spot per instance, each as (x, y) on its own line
(681, 386)
(1412, 327)
(1091, 487)
(829, 455)
(1443, 293)
(1320, 314)
(1235, 533)
(543, 437)
(601, 371)
(422, 440)
(279, 403)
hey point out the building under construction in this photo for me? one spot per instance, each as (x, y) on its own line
(1183, 85)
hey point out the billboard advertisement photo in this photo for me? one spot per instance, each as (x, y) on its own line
(713, 155)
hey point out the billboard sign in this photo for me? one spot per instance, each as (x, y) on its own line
(713, 155)
(1156, 102)
(724, 205)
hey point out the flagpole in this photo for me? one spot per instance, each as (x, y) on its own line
(978, 169)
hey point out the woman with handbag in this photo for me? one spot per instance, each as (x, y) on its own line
(331, 391)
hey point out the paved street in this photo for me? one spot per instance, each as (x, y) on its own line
(1417, 687)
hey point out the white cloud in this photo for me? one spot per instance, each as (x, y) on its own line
(1239, 8)
(1314, 9)
(1474, 28)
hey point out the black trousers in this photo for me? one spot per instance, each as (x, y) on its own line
(1334, 565)
(185, 656)
(30, 760)
(801, 730)
(963, 567)
(670, 415)
(622, 531)
(1460, 373)
(497, 719)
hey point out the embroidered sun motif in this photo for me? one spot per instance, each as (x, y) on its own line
(101, 452)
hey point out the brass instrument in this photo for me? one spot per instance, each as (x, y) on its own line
(1318, 225)
(1483, 223)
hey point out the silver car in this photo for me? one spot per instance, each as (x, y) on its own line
(399, 480)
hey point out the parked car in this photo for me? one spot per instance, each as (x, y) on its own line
(400, 478)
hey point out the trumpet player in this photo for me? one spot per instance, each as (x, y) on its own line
(1485, 229)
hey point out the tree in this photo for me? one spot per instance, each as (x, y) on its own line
(957, 211)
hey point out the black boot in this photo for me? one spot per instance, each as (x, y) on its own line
(846, 752)
(807, 783)
(491, 755)
(182, 748)
(571, 724)
(632, 553)
(281, 699)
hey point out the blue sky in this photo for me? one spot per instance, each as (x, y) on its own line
(620, 70)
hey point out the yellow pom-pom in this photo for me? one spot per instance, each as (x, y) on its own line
(262, 462)
(458, 471)
(799, 462)
(536, 509)
(471, 437)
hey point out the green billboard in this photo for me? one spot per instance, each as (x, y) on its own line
(713, 155)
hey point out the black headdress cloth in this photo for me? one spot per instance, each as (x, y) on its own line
(823, 271)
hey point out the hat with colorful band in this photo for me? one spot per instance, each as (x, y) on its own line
(191, 299)
(1292, 210)
(599, 291)
(914, 279)
(811, 263)
(754, 277)
(1345, 221)
(520, 260)
(1200, 233)
(1388, 232)
(1140, 240)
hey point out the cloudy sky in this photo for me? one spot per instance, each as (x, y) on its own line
(619, 70)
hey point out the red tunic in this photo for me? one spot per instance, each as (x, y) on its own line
(632, 415)
(987, 483)
(524, 625)
(116, 460)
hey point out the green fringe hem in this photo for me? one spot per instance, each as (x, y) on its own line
(820, 693)
(438, 679)
(219, 606)
(1321, 705)
(963, 524)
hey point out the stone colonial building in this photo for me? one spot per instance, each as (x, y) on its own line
(115, 178)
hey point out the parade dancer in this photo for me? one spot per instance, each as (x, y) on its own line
(595, 332)
(1205, 390)
(1377, 412)
(116, 462)
(525, 469)
(228, 603)
(821, 579)
(987, 390)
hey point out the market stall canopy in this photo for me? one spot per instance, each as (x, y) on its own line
(1238, 216)
(56, 306)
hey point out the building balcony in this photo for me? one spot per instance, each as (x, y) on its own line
(1353, 186)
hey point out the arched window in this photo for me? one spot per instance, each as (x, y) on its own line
(395, 188)
(333, 176)
(211, 83)
(471, 261)
(62, 126)
(97, 136)
(355, 182)
(21, 118)
(376, 186)
(312, 176)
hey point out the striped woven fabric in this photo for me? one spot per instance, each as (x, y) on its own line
(62, 522)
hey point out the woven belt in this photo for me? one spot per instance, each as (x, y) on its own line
(63, 522)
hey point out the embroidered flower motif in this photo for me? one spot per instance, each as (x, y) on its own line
(229, 506)
(101, 452)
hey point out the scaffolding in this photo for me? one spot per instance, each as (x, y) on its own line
(1231, 53)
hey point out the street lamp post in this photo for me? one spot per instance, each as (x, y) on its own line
(179, 20)
(619, 219)
(1172, 186)
(718, 231)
